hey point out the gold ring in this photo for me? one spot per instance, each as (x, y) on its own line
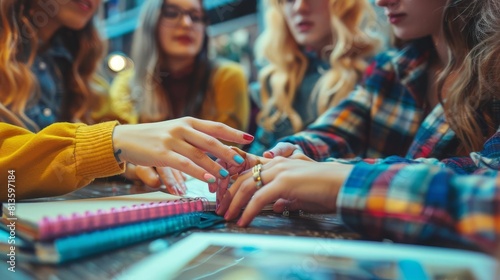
(257, 178)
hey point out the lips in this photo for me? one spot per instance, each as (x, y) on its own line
(305, 25)
(395, 18)
(85, 5)
(184, 39)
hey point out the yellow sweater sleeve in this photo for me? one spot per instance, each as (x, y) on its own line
(121, 98)
(57, 160)
(230, 93)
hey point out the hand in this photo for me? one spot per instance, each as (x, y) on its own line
(159, 177)
(295, 184)
(221, 185)
(180, 144)
(284, 149)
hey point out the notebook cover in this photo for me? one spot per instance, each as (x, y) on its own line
(74, 247)
(50, 220)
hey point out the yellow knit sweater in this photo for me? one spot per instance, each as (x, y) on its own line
(57, 160)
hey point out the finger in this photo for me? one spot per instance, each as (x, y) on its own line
(227, 200)
(186, 165)
(267, 194)
(268, 154)
(168, 179)
(240, 199)
(281, 204)
(181, 181)
(148, 176)
(214, 187)
(193, 149)
(282, 149)
(221, 131)
(206, 143)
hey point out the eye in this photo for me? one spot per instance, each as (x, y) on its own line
(197, 17)
(170, 13)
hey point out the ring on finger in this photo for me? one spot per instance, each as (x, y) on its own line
(257, 176)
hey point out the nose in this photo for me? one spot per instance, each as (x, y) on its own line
(301, 6)
(386, 3)
(186, 20)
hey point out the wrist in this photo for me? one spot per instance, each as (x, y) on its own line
(117, 137)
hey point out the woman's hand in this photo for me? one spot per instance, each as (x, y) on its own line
(157, 177)
(291, 183)
(180, 144)
(284, 149)
(221, 185)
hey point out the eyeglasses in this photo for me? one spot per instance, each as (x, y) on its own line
(173, 16)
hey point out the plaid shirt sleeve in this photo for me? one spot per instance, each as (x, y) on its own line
(341, 132)
(425, 201)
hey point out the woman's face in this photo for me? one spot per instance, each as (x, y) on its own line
(309, 22)
(181, 28)
(413, 19)
(72, 14)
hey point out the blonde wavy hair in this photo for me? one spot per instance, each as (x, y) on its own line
(284, 73)
(148, 94)
(472, 31)
(18, 46)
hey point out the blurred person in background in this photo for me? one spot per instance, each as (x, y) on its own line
(316, 52)
(49, 53)
(173, 77)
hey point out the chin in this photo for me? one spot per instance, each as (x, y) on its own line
(182, 53)
(77, 26)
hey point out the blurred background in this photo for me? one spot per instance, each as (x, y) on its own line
(234, 26)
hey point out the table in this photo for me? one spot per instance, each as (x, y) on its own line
(110, 264)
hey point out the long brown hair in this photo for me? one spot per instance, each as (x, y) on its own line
(472, 32)
(149, 96)
(287, 64)
(18, 46)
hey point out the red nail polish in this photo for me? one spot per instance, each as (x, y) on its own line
(248, 137)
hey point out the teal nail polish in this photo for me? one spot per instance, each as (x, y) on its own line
(238, 159)
(223, 173)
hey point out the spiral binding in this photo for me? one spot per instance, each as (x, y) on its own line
(52, 227)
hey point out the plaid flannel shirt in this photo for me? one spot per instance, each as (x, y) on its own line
(455, 201)
(418, 193)
(385, 116)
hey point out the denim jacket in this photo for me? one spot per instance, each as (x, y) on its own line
(303, 104)
(44, 108)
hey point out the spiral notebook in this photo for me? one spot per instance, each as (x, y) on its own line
(74, 247)
(50, 220)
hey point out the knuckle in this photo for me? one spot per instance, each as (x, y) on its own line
(247, 189)
(198, 154)
(212, 142)
(219, 126)
(184, 163)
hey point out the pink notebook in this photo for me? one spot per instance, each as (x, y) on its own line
(49, 220)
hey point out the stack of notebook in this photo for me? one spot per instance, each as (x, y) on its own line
(61, 231)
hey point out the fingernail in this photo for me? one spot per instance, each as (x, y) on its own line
(224, 173)
(248, 137)
(272, 154)
(239, 223)
(238, 159)
(226, 217)
(180, 190)
(184, 187)
(176, 190)
(209, 178)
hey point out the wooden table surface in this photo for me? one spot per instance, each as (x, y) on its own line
(110, 264)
